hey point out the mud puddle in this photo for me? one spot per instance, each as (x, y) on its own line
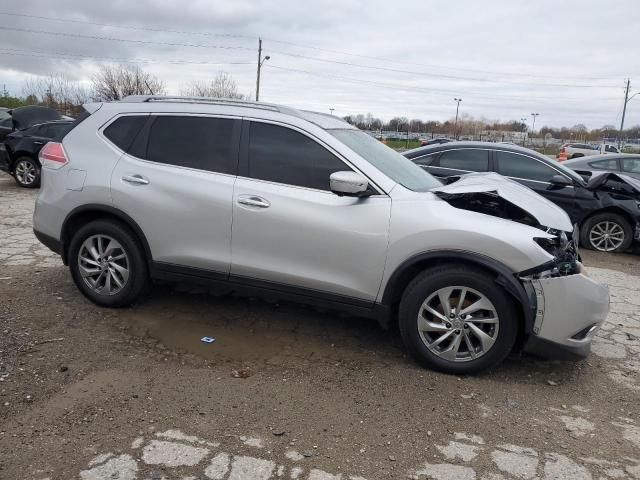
(251, 330)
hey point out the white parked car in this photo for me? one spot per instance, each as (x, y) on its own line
(576, 150)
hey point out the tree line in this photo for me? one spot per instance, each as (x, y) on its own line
(467, 125)
(110, 83)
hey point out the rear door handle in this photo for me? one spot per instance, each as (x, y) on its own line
(36, 142)
(136, 179)
(253, 201)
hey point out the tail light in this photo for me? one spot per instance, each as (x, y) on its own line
(53, 156)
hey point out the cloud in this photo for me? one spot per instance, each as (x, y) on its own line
(506, 59)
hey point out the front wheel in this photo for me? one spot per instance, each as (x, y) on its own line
(456, 319)
(107, 264)
(606, 232)
(26, 171)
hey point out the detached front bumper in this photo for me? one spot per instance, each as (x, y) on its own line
(570, 310)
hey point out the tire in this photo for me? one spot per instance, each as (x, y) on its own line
(592, 229)
(577, 155)
(113, 288)
(26, 172)
(503, 332)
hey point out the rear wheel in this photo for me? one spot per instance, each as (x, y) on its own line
(456, 319)
(606, 232)
(107, 264)
(26, 171)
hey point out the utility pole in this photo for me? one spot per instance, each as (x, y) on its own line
(260, 62)
(331, 110)
(524, 130)
(455, 126)
(624, 111)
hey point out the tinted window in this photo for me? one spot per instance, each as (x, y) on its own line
(631, 165)
(282, 155)
(35, 131)
(605, 165)
(204, 143)
(609, 148)
(521, 166)
(56, 131)
(6, 123)
(467, 159)
(425, 160)
(124, 130)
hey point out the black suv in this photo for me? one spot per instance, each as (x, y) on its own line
(607, 209)
(22, 148)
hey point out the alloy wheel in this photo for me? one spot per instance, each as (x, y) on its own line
(26, 172)
(103, 264)
(458, 323)
(606, 236)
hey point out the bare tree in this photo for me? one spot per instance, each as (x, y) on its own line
(222, 86)
(118, 81)
(55, 91)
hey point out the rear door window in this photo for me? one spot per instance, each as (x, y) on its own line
(631, 165)
(605, 165)
(521, 166)
(204, 143)
(425, 160)
(468, 159)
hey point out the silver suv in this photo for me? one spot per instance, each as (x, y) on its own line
(301, 205)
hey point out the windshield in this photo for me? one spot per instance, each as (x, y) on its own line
(388, 161)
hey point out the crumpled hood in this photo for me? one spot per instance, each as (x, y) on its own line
(598, 179)
(25, 117)
(546, 213)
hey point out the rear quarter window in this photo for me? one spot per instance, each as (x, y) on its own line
(123, 131)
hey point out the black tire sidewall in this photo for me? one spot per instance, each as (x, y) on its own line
(432, 280)
(36, 165)
(138, 271)
(585, 241)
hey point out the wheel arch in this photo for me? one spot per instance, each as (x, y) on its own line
(503, 276)
(612, 209)
(14, 156)
(87, 213)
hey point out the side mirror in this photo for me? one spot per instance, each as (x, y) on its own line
(560, 181)
(348, 184)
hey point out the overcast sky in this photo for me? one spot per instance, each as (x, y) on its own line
(506, 59)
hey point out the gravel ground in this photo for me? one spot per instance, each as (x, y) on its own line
(286, 391)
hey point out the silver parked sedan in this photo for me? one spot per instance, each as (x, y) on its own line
(626, 163)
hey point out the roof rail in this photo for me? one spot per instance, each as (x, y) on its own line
(205, 100)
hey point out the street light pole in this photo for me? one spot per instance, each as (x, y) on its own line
(533, 124)
(331, 110)
(524, 130)
(260, 62)
(455, 126)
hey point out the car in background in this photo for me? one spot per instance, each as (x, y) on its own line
(434, 141)
(625, 163)
(23, 146)
(577, 150)
(606, 209)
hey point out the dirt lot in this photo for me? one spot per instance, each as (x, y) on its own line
(286, 391)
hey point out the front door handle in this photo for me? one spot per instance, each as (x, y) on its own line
(253, 201)
(136, 179)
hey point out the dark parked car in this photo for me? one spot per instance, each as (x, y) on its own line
(22, 148)
(626, 163)
(606, 208)
(434, 141)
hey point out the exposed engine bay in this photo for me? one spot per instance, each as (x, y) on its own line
(492, 194)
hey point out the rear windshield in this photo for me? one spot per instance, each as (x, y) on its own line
(398, 168)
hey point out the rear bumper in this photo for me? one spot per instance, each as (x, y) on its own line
(51, 243)
(570, 311)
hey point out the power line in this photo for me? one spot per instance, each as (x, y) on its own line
(324, 60)
(42, 54)
(311, 47)
(115, 39)
(431, 91)
(449, 77)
